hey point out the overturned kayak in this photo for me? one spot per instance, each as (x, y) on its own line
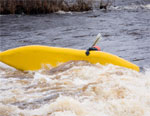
(34, 57)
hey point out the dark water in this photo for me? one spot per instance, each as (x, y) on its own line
(125, 31)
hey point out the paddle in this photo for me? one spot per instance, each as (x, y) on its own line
(98, 38)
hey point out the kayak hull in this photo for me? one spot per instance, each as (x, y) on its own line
(33, 57)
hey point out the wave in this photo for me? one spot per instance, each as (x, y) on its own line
(63, 12)
(131, 7)
(75, 88)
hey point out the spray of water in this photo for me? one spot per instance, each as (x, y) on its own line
(75, 89)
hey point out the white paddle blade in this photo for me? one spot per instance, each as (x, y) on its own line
(98, 38)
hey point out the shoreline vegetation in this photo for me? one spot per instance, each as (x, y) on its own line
(48, 6)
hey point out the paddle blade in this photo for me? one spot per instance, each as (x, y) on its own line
(98, 38)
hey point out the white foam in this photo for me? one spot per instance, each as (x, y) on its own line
(63, 12)
(80, 82)
(40, 78)
(88, 90)
(147, 6)
(65, 113)
(5, 66)
(131, 7)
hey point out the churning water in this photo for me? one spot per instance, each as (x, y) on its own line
(75, 89)
(79, 88)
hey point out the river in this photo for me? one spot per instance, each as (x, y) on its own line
(81, 89)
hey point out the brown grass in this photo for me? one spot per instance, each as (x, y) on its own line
(42, 6)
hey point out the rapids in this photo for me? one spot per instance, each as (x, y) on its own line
(75, 89)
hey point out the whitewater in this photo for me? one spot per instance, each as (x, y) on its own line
(76, 88)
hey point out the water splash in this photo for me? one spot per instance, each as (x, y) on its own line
(75, 89)
(131, 7)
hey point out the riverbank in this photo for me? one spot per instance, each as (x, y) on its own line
(49, 6)
(42, 6)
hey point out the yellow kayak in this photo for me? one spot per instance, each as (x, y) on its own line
(35, 56)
